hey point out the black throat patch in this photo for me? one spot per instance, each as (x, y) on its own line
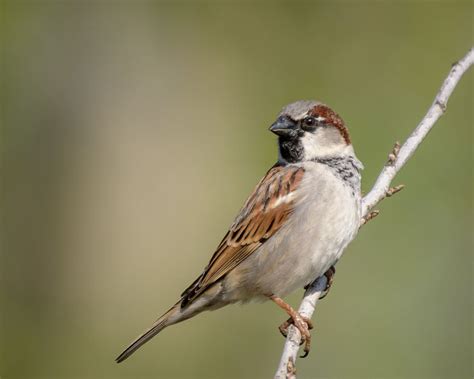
(291, 150)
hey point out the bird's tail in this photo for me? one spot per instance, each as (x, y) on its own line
(174, 315)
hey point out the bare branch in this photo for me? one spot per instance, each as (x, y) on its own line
(381, 189)
(286, 368)
(436, 110)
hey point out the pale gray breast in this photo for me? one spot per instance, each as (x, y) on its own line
(324, 221)
(329, 216)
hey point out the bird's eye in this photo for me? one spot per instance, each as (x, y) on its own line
(309, 122)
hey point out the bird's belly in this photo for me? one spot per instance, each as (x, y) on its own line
(301, 257)
(305, 248)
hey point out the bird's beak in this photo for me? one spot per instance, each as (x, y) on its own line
(284, 127)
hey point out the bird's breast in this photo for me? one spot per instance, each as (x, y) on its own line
(325, 219)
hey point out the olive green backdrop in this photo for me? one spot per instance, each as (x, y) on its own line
(133, 132)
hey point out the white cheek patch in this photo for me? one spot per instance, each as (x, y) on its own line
(323, 143)
(311, 146)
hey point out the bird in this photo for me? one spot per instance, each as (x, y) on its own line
(292, 229)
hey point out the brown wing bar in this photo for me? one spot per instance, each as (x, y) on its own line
(262, 215)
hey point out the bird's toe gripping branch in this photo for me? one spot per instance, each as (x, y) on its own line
(302, 323)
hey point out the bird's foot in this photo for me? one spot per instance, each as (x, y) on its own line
(283, 328)
(302, 323)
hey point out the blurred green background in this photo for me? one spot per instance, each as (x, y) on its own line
(133, 132)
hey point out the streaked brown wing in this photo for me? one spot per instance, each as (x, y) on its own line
(262, 215)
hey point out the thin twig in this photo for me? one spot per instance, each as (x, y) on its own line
(370, 216)
(381, 189)
(436, 110)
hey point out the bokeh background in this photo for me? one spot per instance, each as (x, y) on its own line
(132, 133)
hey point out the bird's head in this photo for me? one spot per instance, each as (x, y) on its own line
(309, 130)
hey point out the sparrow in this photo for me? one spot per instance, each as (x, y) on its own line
(292, 229)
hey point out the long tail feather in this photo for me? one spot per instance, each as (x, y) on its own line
(172, 316)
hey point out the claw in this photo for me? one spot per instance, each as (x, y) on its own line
(283, 328)
(306, 352)
(304, 325)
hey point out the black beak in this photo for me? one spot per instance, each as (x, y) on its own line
(284, 127)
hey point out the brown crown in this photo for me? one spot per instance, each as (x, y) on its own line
(332, 118)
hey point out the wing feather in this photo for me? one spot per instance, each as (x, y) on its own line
(262, 215)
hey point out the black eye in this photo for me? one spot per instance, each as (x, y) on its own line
(309, 122)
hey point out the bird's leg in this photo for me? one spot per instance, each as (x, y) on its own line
(329, 274)
(303, 324)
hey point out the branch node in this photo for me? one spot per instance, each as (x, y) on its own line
(442, 105)
(290, 369)
(392, 157)
(393, 190)
(371, 215)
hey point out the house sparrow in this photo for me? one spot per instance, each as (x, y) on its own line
(292, 229)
